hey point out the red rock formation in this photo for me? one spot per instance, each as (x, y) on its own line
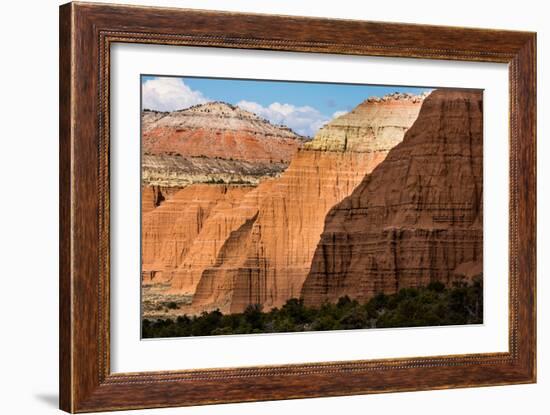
(261, 251)
(277, 237)
(417, 217)
(212, 143)
(153, 196)
(222, 222)
(217, 129)
(169, 229)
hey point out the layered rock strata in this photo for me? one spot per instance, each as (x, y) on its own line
(213, 142)
(371, 126)
(260, 252)
(168, 170)
(417, 218)
(267, 257)
(217, 129)
(199, 161)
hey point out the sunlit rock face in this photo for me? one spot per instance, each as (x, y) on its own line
(197, 162)
(373, 125)
(169, 229)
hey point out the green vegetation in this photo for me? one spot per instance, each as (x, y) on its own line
(172, 305)
(433, 305)
(213, 180)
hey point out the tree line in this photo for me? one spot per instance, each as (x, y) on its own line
(434, 305)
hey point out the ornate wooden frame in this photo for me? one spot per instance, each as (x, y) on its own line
(86, 33)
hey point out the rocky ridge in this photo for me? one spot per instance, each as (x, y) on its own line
(193, 161)
(153, 196)
(217, 129)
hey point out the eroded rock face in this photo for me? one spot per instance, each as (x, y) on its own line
(417, 217)
(153, 196)
(169, 228)
(225, 219)
(260, 252)
(267, 254)
(197, 162)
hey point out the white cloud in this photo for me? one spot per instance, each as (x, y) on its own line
(339, 114)
(304, 120)
(169, 94)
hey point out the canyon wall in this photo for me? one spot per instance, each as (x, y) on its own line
(169, 229)
(216, 230)
(417, 218)
(153, 196)
(371, 126)
(260, 251)
(196, 162)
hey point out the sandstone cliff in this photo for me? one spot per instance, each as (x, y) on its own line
(199, 161)
(261, 251)
(266, 259)
(169, 229)
(417, 217)
(153, 196)
(216, 230)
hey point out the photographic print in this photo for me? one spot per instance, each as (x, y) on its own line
(273, 206)
(257, 207)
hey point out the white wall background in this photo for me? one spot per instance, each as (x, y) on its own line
(29, 194)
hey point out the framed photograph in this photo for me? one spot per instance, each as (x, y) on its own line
(259, 207)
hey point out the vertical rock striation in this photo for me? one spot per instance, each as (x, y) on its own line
(169, 229)
(224, 220)
(153, 196)
(417, 217)
(260, 252)
(199, 162)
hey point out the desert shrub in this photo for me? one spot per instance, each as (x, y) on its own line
(410, 307)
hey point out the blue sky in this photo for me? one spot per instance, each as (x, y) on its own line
(303, 106)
